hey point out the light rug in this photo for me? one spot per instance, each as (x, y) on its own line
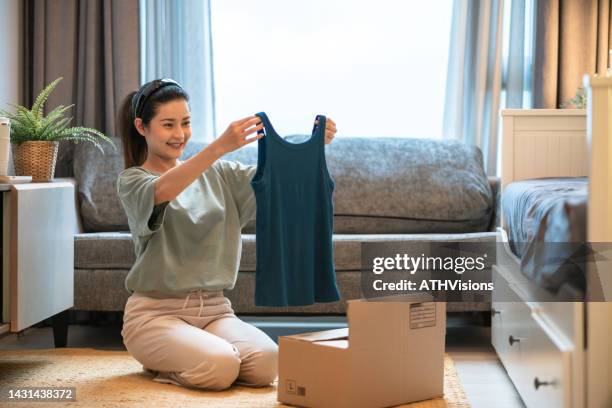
(114, 379)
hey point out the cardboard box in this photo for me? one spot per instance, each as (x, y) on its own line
(393, 355)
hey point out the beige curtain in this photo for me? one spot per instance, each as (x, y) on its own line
(572, 39)
(94, 46)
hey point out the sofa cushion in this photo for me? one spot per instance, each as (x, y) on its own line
(103, 289)
(401, 185)
(104, 250)
(115, 250)
(383, 185)
(102, 261)
(96, 175)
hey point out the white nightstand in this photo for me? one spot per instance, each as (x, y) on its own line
(38, 229)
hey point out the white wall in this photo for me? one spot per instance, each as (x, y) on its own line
(11, 45)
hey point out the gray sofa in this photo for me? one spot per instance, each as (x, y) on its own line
(387, 189)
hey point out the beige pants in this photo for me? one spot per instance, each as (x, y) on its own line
(197, 341)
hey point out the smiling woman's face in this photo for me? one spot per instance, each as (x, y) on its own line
(169, 130)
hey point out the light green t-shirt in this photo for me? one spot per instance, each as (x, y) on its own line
(193, 241)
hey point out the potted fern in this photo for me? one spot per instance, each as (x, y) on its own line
(35, 137)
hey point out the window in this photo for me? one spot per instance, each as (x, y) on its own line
(518, 21)
(376, 68)
(517, 60)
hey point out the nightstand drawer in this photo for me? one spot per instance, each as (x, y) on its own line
(545, 361)
(506, 317)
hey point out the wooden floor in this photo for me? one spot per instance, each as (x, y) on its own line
(484, 378)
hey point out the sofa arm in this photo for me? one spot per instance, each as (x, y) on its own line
(495, 184)
(75, 209)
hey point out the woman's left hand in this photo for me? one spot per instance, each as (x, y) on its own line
(330, 130)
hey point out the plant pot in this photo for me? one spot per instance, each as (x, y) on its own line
(36, 159)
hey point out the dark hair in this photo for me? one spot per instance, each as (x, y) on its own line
(135, 145)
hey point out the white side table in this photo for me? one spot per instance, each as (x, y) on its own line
(38, 229)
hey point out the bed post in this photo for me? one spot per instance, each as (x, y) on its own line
(599, 136)
(599, 232)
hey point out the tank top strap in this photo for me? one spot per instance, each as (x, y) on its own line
(318, 131)
(261, 147)
(266, 123)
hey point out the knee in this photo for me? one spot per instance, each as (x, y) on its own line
(261, 368)
(225, 371)
(216, 373)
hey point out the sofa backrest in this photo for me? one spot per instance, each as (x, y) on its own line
(383, 185)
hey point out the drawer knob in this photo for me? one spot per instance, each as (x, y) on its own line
(513, 340)
(537, 383)
(495, 311)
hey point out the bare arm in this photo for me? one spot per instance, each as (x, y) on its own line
(174, 181)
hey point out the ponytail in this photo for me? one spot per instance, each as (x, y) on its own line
(134, 144)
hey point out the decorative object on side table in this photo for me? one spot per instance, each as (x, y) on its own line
(5, 141)
(579, 101)
(35, 138)
(15, 179)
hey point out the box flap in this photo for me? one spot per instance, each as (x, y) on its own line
(335, 334)
(341, 344)
(378, 324)
(416, 297)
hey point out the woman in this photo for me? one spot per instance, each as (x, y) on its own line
(186, 219)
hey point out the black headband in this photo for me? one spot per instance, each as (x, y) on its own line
(140, 98)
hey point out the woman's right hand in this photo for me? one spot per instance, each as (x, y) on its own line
(237, 132)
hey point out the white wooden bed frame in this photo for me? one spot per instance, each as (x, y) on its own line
(557, 354)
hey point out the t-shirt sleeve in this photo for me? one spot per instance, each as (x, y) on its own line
(136, 190)
(238, 177)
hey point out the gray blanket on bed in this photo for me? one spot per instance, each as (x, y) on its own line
(546, 224)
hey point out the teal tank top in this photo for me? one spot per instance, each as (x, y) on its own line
(294, 221)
